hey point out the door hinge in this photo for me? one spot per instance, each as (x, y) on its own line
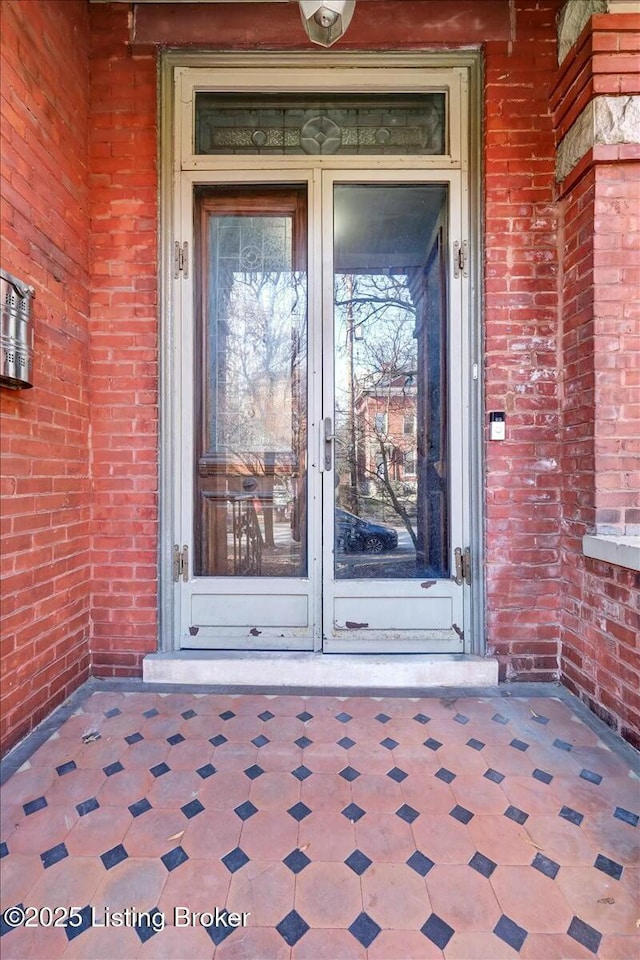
(180, 259)
(180, 563)
(463, 565)
(461, 258)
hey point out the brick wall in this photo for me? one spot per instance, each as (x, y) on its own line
(523, 481)
(124, 345)
(45, 469)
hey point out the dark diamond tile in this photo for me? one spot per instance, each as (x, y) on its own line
(266, 715)
(218, 740)
(461, 814)
(519, 745)
(421, 864)
(538, 718)
(482, 864)
(562, 745)
(542, 776)
(353, 812)
(358, 862)
(114, 856)
(303, 742)
(364, 929)
(626, 816)
(397, 774)
(436, 930)
(235, 860)
(421, 718)
(54, 855)
(498, 718)
(254, 772)
(460, 718)
(591, 776)
(176, 738)
(389, 743)
(4, 849)
(571, 815)
(299, 811)
(151, 713)
(346, 743)
(349, 773)
(296, 861)
(113, 768)
(87, 806)
(445, 775)
(86, 918)
(545, 865)
(134, 738)
(610, 867)
(160, 769)
(343, 717)
(139, 807)
(188, 714)
(207, 771)
(407, 813)
(6, 927)
(588, 936)
(509, 931)
(174, 858)
(475, 744)
(493, 775)
(67, 767)
(114, 712)
(227, 715)
(33, 805)
(518, 816)
(245, 810)
(292, 927)
(149, 925)
(304, 716)
(260, 740)
(192, 808)
(301, 772)
(218, 932)
(382, 717)
(432, 744)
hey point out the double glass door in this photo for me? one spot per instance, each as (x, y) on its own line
(321, 415)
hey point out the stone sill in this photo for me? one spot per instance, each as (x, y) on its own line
(623, 551)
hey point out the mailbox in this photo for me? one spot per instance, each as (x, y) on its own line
(16, 332)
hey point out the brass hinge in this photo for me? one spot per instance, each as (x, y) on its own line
(463, 565)
(180, 563)
(460, 258)
(180, 259)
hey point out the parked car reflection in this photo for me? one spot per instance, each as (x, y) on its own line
(353, 534)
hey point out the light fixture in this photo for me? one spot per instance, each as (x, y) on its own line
(325, 21)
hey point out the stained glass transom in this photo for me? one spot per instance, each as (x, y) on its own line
(404, 124)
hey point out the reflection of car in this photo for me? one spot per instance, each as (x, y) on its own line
(355, 534)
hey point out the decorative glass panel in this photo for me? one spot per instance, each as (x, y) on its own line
(344, 124)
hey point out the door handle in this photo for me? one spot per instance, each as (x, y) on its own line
(327, 443)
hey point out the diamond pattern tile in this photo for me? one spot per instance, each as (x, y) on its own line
(366, 839)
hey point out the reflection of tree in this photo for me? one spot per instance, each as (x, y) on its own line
(376, 342)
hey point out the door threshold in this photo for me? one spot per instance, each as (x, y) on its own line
(312, 670)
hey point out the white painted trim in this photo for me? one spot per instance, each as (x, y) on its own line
(621, 551)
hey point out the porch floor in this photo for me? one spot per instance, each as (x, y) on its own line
(390, 828)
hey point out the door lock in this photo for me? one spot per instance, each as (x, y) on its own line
(327, 443)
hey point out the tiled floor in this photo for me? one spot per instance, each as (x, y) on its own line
(389, 829)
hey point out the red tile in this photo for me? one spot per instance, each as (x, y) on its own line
(480, 946)
(328, 895)
(18, 874)
(135, 882)
(69, 883)
(564, 842)
(403, 945)
(265, 890)
(122, 788)
(174, 789)
(385, 837)
(252, 943)
(327, 836)
(98, 831)
(598, 900)
(269, 835)
(462, 897)
(329, 945)
(326, 791)
(377, 793)
(502, 840)
(479, 795)
(177, 943)
(199, 884)
(443, 839)
(557, 946)
(27, 784)
(214, 836)
(274, 791)
(42, 830)
(531, 899)
(104, 943)
(149, 835)
(395, 896)
(428, 794)
(614, 947)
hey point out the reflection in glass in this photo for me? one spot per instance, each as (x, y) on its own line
(390, 381)
(251, 467)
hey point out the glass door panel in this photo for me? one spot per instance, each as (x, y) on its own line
(251, 430)
(390, 344)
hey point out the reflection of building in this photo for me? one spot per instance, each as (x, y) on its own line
(385, 421)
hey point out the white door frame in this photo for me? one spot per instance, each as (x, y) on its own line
(274, 71)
